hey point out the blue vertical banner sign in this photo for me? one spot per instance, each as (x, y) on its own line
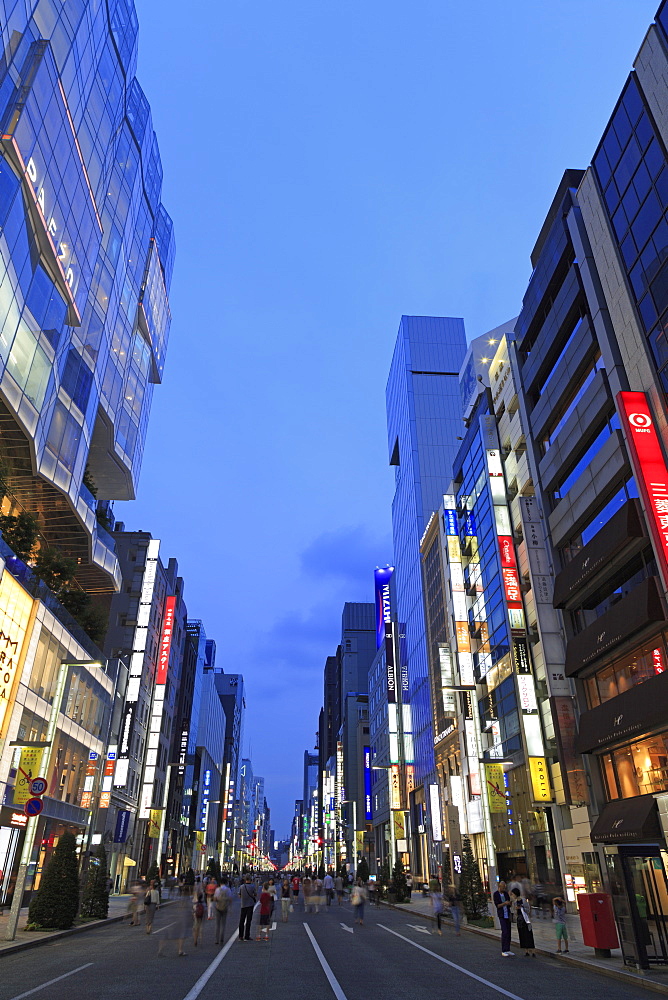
(122, 824)
(368, 812)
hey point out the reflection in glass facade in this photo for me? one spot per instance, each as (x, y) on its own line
(86, 258)
(632, 169)
(423, 422)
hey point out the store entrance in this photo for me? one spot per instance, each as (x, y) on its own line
(640, 895)
(646, 885)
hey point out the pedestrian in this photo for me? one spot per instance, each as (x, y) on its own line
(523, 918)
(295, 890)
(248, 897)
(358, 898)
(328, 885)
(538, 897)
(372, 889)
(273, 893)
(306, 887)
(151, 904)
(265, 913)
(455, 902)
(560, 924)
(222, 899)
(434, 884)
(209, 892)
(136, 893)
(502, 904)
(286, 903)
(514, 883)
(338, 886)
(198, 916)
(179, 929)
(437, 906)
(317, 893)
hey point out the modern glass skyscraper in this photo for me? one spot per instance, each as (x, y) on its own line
(424, 420)
(86, 256)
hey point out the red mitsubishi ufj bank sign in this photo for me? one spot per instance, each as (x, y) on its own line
(649, 467)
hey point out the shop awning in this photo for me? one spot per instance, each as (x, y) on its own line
(639, 610)
(626, 820)
(616, 542)
(629, 716)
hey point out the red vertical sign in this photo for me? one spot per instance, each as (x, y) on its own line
(649, 467)
(166, 640)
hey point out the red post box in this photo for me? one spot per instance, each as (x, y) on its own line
(598, 922)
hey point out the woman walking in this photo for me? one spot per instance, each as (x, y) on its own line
(151, 903)
(265, 913)
(524, 930)
(358, 899)
(198, 916)
(179, 929)
(306, 887)
(455, 901)
(285, 900)
(437, 907)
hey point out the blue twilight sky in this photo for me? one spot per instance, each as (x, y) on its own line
(330, 166)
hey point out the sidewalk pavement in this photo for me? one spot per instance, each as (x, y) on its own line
(581, 955)
(118, 908)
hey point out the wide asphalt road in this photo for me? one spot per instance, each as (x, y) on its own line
(321, 955)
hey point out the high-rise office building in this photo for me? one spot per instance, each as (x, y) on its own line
(86, 256)
(423, 423)
(590, 349)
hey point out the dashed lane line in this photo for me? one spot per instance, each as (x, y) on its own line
(472, 975)
(195, 990)
(333, 982)
(43, 986)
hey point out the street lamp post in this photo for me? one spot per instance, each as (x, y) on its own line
(353, 802)
(31, 826)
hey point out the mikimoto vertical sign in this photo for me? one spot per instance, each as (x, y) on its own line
(649, 467)
(382, 579)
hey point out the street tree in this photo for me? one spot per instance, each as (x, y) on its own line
(56, 902)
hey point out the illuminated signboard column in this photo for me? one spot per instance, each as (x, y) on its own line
(462, 640)
(526, 689)
(649, 468)
(155, 726)
(137, 664)
(382, 579)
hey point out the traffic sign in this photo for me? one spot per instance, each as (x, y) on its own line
(33, 807)
(38, 786)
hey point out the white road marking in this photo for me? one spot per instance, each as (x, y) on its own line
(35, 989)
(165, 927)
(418, 927)
(274, 926)
(492, 986)
(195, 991)
(346, 928)
(336, 989)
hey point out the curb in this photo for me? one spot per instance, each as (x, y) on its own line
(638, 979)
(11, 949)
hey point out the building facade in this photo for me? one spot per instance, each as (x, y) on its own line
(86, 256)
(423, 423)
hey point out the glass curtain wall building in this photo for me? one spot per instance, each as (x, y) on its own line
(423, 423)
(86, 257)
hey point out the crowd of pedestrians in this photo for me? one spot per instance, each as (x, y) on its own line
(209, 899)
